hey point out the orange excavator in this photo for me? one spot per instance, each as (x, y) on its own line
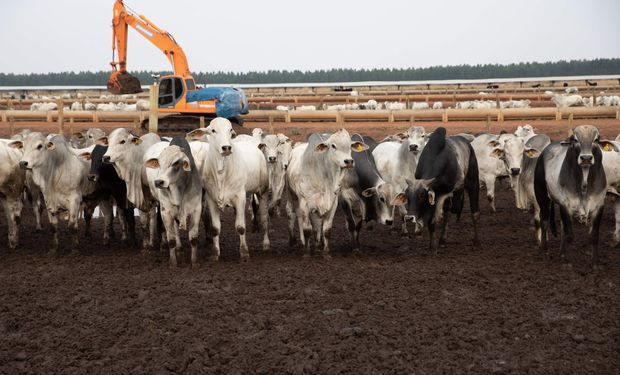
(178, 95)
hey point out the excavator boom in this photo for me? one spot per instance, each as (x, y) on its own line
(121, 82)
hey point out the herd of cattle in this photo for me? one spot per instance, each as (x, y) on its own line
(416, 176)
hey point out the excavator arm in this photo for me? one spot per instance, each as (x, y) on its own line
(121, 82)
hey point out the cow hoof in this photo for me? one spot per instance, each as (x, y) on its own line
(195, 265)
(327, 256)
(173, 264)
(213, 258)
(244, 259)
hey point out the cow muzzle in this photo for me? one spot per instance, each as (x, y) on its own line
(160, 184)
(24, 165)
(414, 148)
(515, 171)
(349, 163)
(226, 150)
(272, 159)
(586, 160)
(106, 159)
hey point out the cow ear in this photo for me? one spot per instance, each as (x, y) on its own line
(78, 135)
(136, 141)
(494, 143)
(262, 146)
(321, 147)
(358, 146)
(497, 152)
(85, 156)
(16, 144)
(196, 133)
(431, 197)
(532, 152)
(186, 166)
(369, 192)
(103, 141)
(152, 163)
(50, 145)
(607, 146)
(399, 200)
(401, 136)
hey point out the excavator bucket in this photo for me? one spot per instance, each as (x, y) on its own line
(123, 83)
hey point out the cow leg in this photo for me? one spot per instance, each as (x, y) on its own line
(263, 207)
(290, 214)
(37, 209)
(489, 182)
(350, 222)
(567, 232)
(326, 230)
(216, 227)
(130, 220)
(206, 216)
(12, 218)
(144, 223)
(240, 226)
(88, 216)
(193, 234)
(74, 211)
(255, 202)
(53, 219)
(169, 225)
(616, 241)
(403, 211)
(153, 218)
(305, 230)
(108, 214)
(594, 235)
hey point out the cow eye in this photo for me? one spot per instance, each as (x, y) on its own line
(213, 131)
(175, 163)
(334, 146)
(122, 142)
(39, 147)
(382, 200)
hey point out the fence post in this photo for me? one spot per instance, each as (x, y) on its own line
(60, 103)
(153, 95)
(202, 121)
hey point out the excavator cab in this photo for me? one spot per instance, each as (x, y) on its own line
(172, 89)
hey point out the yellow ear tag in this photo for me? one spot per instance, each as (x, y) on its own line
(606, 147)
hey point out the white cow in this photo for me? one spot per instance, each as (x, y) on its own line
(525, 132)
(180, 195)
(61, 176)
(524, 190)
(611, 164)
(277, 150)
(419, 105)
(126, 152)
(563, 101)
(231, 172)
(12, 183)
(489, 150)
(314, 178)
(394, 106)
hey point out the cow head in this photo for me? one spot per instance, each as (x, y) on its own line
(382, 199)
(269, 147)
(219, 134)
(525, 131)
(420, 201)
(172, 167)
(416, 137)
(257, 133)
(120, 144)
(583, 142)
(338, 148)
(285, 147)
(36, 148)
(92, 135)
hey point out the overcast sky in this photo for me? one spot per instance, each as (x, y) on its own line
(244, 35)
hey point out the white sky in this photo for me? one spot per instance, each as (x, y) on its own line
(245, 35)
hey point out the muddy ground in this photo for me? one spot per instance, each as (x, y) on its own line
(394, 308)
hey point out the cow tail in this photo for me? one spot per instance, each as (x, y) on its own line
(552, 224)
(458, 201)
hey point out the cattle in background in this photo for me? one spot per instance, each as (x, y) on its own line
(87, 138)
(526, 132)
(446, 170)
(230, 172)
(126, 152)
(397, 160)
(524, 189)
(571, 174)
(109, 186)
(314, 176)
(365, 196)
(61, 176)
(489, 152)
(277, 150)
(12, 183)
(611, 164)
(179, 196)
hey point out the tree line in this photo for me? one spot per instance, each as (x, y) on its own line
(480, 71)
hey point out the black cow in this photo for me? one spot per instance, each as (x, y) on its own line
(365, 196)
(570, 173)
(109, 187)
(446, 169)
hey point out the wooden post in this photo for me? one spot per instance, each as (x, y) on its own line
(391, 116)
(136, 124)
(488, 124)
(570, 120)
(153, 95)
(71, 125)
(270, 124)
(202, 121)
(412, 119)
(61, 116)
(11, 126)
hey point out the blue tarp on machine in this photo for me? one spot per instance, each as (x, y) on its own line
(229, 102)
